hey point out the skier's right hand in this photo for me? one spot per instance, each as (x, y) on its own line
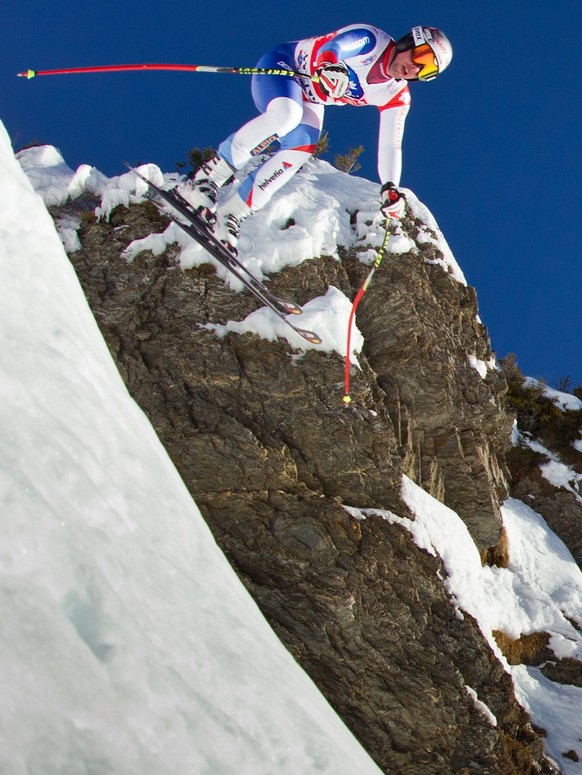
(334, 80)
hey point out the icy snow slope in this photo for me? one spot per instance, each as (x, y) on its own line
(127, 645)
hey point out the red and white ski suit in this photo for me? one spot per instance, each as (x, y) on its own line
(292, 109)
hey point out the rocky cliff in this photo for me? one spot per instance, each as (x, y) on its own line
(259, 434)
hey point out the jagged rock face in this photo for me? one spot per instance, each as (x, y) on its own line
(260, 438)
(420, 327)
(259, 418)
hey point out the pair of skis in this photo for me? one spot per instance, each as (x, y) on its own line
(199, 230)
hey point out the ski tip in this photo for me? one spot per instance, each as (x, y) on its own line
(347, 400)
(290, 307)
(28, 74)
(311, 336)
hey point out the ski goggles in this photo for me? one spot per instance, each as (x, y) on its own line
(424, 57)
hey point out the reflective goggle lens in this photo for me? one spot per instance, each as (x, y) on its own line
(424, 57)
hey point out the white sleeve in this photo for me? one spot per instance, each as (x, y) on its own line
(390, 143)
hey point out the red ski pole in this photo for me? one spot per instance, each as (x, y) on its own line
(347, 399)
(153, 66)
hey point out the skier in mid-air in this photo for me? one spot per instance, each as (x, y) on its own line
(356, 65)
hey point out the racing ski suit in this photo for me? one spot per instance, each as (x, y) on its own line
(292, 109)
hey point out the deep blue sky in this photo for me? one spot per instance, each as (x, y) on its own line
(493, 147)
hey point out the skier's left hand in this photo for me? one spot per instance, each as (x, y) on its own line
(334, 80)
(393, 203)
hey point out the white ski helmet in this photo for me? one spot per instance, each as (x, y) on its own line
(431, 49)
